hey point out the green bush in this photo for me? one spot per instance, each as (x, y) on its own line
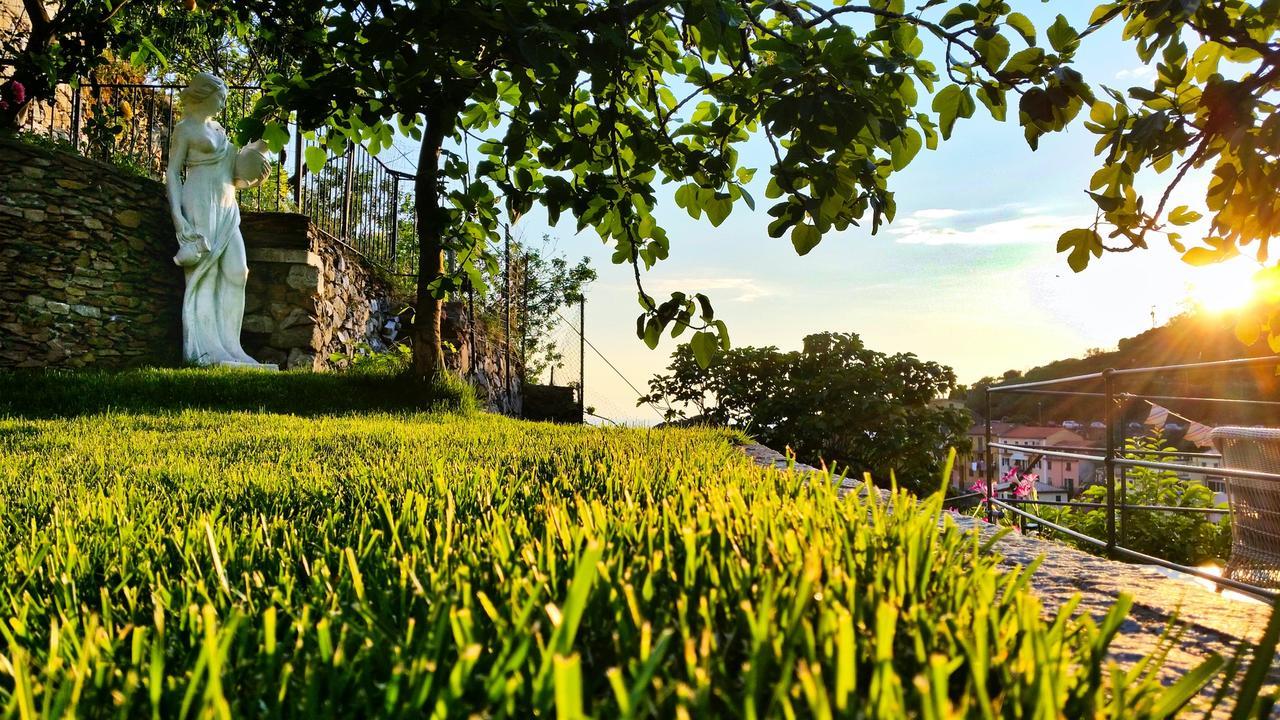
(1184, 538)
(834, 402)
(247, 564)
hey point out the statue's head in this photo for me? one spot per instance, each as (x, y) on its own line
(205, 91)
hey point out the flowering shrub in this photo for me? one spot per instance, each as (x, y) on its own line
(12, 94)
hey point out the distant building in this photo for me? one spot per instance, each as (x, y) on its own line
(1067, 475)
(971, 468)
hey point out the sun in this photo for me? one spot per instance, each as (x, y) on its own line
(1222, 287)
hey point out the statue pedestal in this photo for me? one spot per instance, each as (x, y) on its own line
(267, 367)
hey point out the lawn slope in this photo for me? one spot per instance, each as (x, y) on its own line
(208, 563)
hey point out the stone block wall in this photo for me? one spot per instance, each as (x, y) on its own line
(86, 270)
(482, 359)
(87, 277)
(310, 297)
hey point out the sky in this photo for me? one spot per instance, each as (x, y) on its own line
(967, 274)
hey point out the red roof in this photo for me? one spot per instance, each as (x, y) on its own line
(1035, 432)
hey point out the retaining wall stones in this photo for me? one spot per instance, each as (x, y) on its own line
(310, 298)
(87, 280)
(86, 270)
(482, 358)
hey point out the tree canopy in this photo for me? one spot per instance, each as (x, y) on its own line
(834, 401)
(587, 107)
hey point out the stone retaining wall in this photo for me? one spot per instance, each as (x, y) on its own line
(87, 280)
(309, 297)
(86, 270)
(483, 360)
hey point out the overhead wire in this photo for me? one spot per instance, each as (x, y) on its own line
(612, 367)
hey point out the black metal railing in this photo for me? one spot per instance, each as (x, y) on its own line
(1115, 458)
(355, 198)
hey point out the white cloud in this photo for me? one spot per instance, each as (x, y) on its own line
(1003, 225)
(731, 289)
(1138, 73)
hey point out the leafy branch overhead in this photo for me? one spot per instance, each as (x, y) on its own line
(1199, 113)
(588, 108)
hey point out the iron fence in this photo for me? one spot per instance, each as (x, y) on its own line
(1115, 460)
(355, 198)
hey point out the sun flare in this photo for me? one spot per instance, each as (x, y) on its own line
(1222, 287)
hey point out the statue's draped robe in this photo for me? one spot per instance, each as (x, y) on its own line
(213, 304)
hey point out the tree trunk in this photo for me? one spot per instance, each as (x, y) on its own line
(428, 345)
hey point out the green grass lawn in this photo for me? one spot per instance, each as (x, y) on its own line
(170, 562)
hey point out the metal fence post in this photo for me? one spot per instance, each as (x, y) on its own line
(506, 301)
(297, 168)
(395, 223)
(346, 193)
(75, 117)
(1110, 462)
(471, 328)
(524, 319)
(987, 460)
(582, 358)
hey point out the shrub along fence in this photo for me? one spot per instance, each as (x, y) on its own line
(1252, 512)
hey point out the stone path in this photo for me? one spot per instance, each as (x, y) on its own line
(1210, 622)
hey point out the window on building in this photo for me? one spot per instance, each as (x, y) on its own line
(1068, 466)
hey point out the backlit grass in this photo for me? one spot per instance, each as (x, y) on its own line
(214, 564)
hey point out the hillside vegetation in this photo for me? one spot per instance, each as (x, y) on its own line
(1187, 338)
(226, 564)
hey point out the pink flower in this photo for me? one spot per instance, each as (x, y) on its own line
(17, 91)
(1013, 472)
(1026, 486)
(4, 104)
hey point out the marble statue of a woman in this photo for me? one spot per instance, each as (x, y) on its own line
(207, 219)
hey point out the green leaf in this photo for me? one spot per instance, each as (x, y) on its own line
(805, 237)
(704, 346)
(1200, 256)
(1081, 244)
(1062, 36)
(993, 99)
(718, 208)
(1182, 215)
(315, 157)
(904, 148)
(1023, 25)
(723, 331)
(950, 103)
(958, 14)
(1024, 62)
(275, 136)
(993, 51)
